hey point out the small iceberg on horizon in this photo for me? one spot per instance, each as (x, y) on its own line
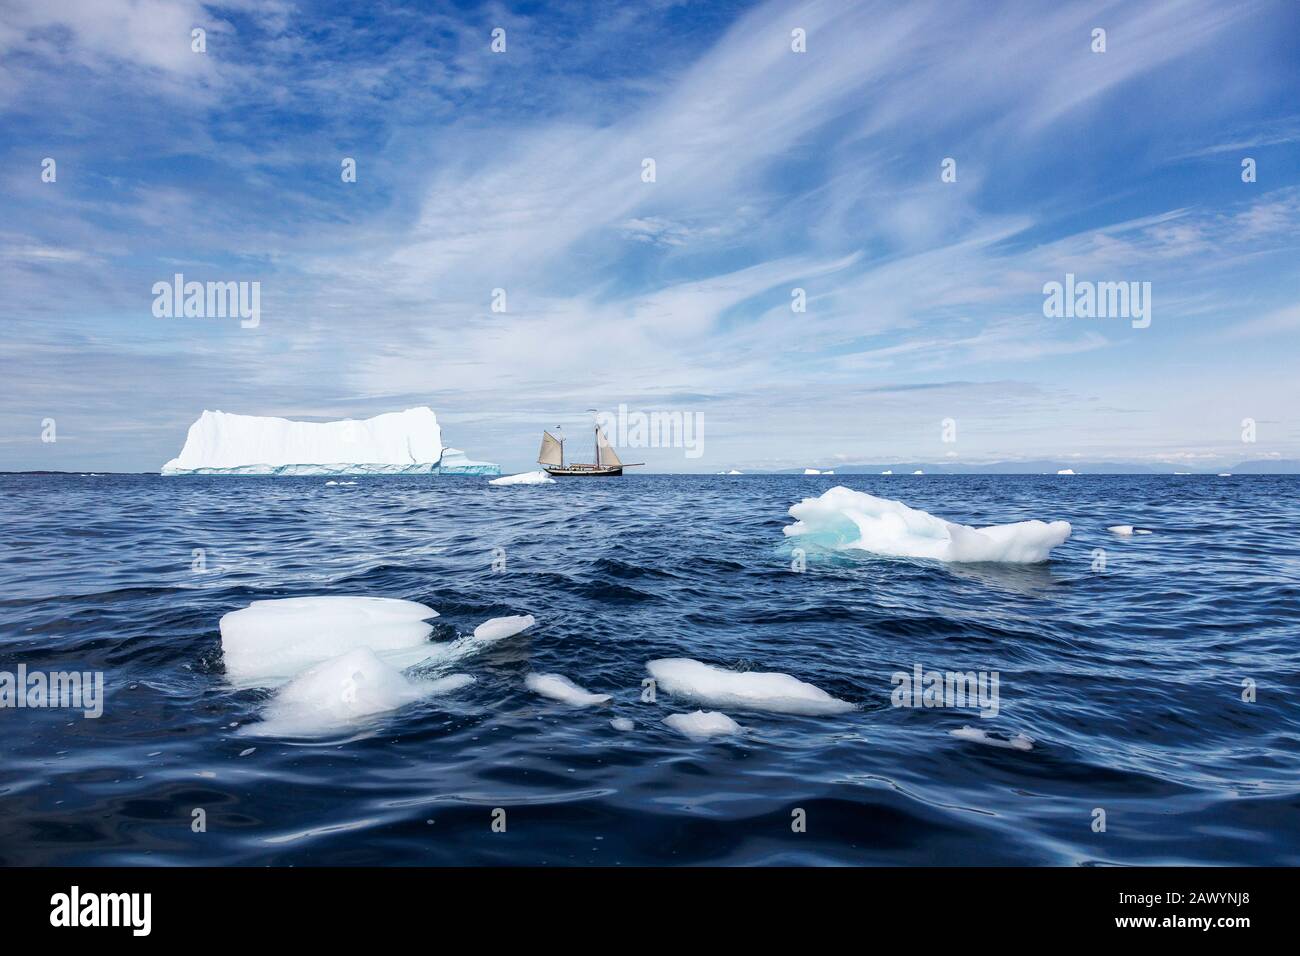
(846, 520)
(526, 478)
(747, 690)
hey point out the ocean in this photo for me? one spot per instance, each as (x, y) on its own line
(1147, 684)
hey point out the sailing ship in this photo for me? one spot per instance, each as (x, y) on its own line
(608, 464)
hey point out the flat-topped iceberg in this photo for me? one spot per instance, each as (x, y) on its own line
(395, 443)
(844, 519)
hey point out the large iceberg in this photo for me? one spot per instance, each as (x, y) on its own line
(395, 443)
(844, 519)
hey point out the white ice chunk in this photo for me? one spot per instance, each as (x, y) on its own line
(558, 687)
(622, 723)
(1065, 471)
(702, 724)
(527, 478)
(342, 692)
(1018, 742)
(844, 519)
(751, 690)
(271, 641)
(812, 471)
(1126, 530)
(499, 628)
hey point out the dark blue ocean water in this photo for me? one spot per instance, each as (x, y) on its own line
(1129, 680)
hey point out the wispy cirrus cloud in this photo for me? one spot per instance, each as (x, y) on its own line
(774, 171)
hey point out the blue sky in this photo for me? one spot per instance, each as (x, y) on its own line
(774, 170)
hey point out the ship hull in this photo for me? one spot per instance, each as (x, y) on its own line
(584, 471)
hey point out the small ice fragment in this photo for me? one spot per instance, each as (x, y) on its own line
(499, 628)
(558, 687)
(751, 690)
(1122, 529)
(527, 478)
(702, 724)
(445, 685)
(245, 753)
(621, 723)
(1018, 742)
(328, 483)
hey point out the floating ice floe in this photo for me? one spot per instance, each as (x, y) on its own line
(844, 519)
(703, 724)
(812, 471)
(1018, 742)
(527, 478)
(338, 660)
(338, 693)
(1065, 471)
(748, 690)
(622, 723)
(500, 628)
(558, 687)
(1126, 530)
(269, 642)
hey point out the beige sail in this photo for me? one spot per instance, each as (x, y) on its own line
(551, 453)
(606, 456)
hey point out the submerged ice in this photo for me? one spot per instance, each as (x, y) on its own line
(844, 519)
(748, 690)
(342, 691)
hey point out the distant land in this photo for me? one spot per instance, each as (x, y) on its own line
(1279, 466)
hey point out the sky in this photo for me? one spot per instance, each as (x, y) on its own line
(823, 169)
